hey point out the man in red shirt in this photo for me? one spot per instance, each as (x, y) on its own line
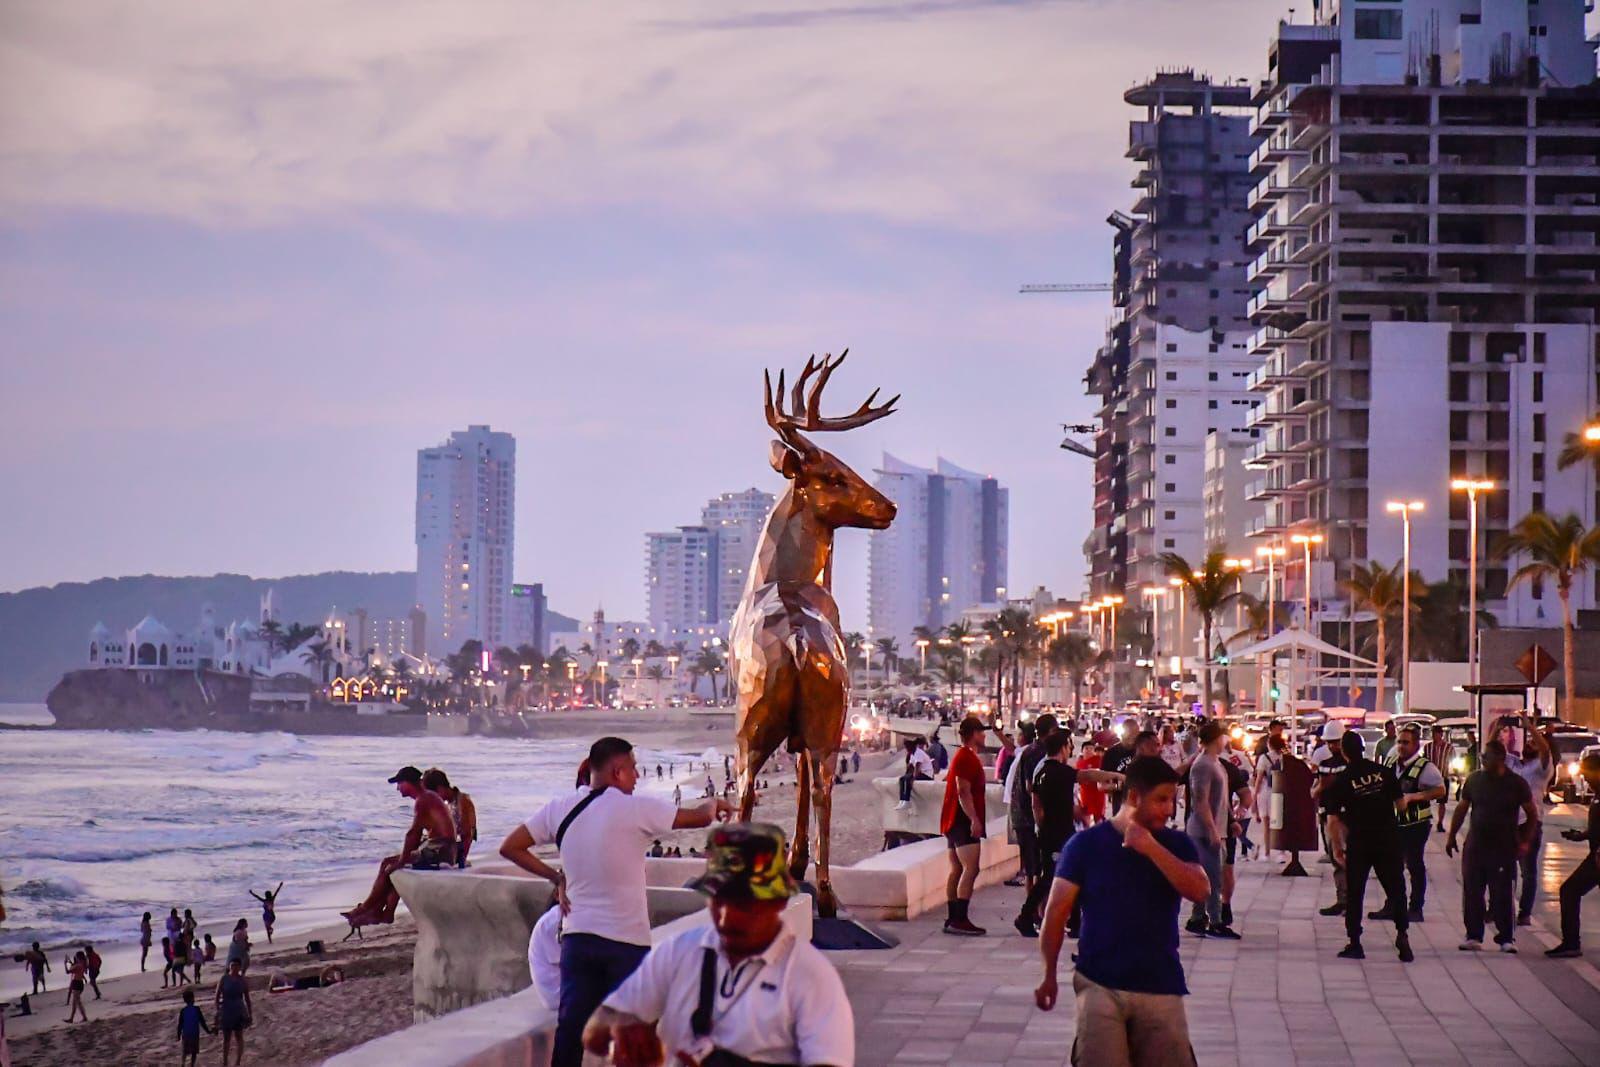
(961, 822)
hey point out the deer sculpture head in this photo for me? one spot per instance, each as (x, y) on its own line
(822, 484)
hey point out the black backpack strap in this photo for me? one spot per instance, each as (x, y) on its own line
(561, 831)
(700, 1021)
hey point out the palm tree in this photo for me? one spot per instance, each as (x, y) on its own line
(555, 669)
(656, 673)
(653, 650)
(1576, 449)
(271, 631)
(853, 645)
(708, 663)
(298, 634)
(630, 649)
(1558, 550)
(1208, 587)
(1441, 630)
(1380, 590)
(319, 655)
(889, 650)
(1073, 654)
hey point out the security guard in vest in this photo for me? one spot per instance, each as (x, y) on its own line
(1421, 784)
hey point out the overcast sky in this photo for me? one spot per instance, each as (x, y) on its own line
(253, 256)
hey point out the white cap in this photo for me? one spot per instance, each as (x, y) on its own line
(1332, 731)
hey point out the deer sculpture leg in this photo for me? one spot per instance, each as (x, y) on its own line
(799, 848)
(822, 797)
(750, 759)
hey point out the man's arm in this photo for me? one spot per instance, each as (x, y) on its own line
(518, 848)
(1103, 779)
(1463, 805)
(968, 805)
(1063, 894)
(1189, 879)
(1426, 794)
(413, 835)
(701, 815)
(1526, 831)
(1201, 804)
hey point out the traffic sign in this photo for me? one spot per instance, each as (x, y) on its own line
(1536, 664)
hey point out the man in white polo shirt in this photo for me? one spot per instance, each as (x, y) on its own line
(602, 834)
(741, 990)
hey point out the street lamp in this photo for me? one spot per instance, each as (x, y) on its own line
(1472, 487)
(1155, 594)
(1404, 510)
(1111, 681)
(1306, 541)
(1177, 584)
(922, 650)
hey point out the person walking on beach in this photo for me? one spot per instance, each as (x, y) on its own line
(1492, 796)
(962, 823)
(1362, 824)
(1586, 875)
(77, 970)
(429, 844)
(197, 958)
(602, 835)
(189, 925)
(269, 907)
(191, 1020)
(166, 956)
(174, 925)
(239, 947)
(145, 936)
(92, 958)
(37, 963)
(233, 1008)
(462, 810)
(741, 989)
(1128, 874)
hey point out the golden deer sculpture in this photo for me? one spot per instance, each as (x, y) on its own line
(793, 676)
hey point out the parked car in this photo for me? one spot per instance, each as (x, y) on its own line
(1568, 747)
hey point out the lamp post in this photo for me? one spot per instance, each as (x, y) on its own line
(1177, 584)
(1111, 603)
(600, 698)
(1306, 541)
(1155, 594)
(922, 650)
(1472, 487)
(1404, 510)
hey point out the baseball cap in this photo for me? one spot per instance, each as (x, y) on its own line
(745, 861)
(406, 774)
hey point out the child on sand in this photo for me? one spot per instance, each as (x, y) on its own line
(191, 1020)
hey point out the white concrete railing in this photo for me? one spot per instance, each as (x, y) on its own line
(513, 1031)
(927, 801)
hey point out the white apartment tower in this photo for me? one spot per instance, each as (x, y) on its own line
(944, 552)
(737, 519)
(1175, 364)
(681, 578)
(1427, 203)
(466, 508)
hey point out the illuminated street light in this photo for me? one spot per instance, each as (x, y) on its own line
(1404, 510)
(1306, 541)
(1472, 487)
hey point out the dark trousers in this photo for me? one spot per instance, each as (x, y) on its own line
(1491, 871)
(1380, 856)
(905, 784)
(591, 968)
(1413, 847)
(1045, 863)
(1528, 872)
(1579, 882)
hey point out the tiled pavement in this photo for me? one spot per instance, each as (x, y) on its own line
(1280, 996)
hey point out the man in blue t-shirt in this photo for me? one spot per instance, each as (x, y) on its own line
(1128, 875)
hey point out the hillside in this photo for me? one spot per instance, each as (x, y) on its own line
(45, 629)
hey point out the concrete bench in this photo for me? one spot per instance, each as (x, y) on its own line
(927, 801)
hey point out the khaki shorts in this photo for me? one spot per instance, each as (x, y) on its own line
(1117, 1028)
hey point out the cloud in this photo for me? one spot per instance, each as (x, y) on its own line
(979, 116)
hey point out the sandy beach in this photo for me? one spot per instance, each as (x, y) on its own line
(134, 1022)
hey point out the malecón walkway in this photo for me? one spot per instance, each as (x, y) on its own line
(1280, 996)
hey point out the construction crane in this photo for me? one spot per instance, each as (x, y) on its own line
(1069, 287)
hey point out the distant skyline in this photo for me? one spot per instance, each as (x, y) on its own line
(253, 257)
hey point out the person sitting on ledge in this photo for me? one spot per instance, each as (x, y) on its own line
(429, 844)
(741, 989)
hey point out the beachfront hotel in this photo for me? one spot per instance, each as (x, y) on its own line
(466, 516)
(695, 575)
(944, 553)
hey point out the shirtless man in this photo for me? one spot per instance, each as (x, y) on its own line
(429, 845)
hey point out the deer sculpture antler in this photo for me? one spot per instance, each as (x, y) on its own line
(805, 412)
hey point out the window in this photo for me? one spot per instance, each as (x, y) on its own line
(1459, 426)
(1169, 543)
(1499, 387)
(1170, 487)
(1171, 347)
(1538, 470)
(1460, 387)
(1171, 404)
(1372, 25)
(1172, 375)
(1538, 425)
(1211, 404)
(1538, 387)
(1213, 375)
(1169, 515)
(1170, 459)
(1171, 431)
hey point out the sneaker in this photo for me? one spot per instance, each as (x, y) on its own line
(1227, 915)
(1414, 915)
(964, 928)
(1015, 881)
(1224, 931)
(1331, 910)
(1564, 951)
(1382, 913)
(1024, 927)
(1508, 946)
(1524, 919)
(1196, 925)
(1471, 945)
(1402, 945)
(1353, 951)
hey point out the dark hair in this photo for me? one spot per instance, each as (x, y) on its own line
(971, 725)
(241, 924)
(1145, 735)
(605, 750)
(1351, 744)
(1046, 724)
(1279, 723)
(1495, 745)
(1028, 733)
(433, 778)
(1277, 744)
(188, 996)
(1056, 742)
(1210, 730)
(1146, 773)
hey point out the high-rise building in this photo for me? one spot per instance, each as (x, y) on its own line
(681, 577)
(1175, 363)
(526, 623)
(466, 508)
(1426, 211)
(737, 520)
(944, 552)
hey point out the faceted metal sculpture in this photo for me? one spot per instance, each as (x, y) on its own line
(793, 677)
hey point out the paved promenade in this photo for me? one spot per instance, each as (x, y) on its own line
(1279, 996)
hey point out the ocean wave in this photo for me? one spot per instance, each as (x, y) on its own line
(49, 887)
(104, 845)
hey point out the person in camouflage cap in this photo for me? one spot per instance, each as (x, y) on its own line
(745, 861)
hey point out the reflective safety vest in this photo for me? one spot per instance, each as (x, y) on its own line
(1410, 775)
